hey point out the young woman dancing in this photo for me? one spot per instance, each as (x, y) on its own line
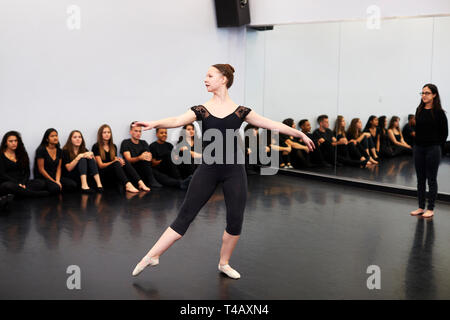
(219, 113)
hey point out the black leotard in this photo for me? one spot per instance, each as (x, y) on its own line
(207, 176)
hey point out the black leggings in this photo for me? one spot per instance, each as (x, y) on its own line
(115, 173)
(427, 161)
(34, 188)
(68, 185)
(202, 186)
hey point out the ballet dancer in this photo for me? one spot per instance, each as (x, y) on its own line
(219, 113)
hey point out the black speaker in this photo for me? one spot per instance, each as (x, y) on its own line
(232, 13)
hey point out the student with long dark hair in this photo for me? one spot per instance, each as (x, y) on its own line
(15, 169)
(112, 169)
(431, 134)
(78, 162)
(348, 152)
(398, 144)
(372, 128)
(47, 165)
(189, 139)
(360, 139)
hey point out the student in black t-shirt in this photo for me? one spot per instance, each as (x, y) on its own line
(136, 152)
(398, 144)
(78, 162)
(361, 139)
(348, 152)
(298, 155)
(165, 171)
(315, 156)
(15, 169)
(374, 143)
(409, 130)
(189, 140)
(326, 141)
(113, 169)
(47, 164)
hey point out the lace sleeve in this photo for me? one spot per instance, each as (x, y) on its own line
(242, 112)
(200, 112)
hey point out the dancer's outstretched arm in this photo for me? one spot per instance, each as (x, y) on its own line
(262, 122)
(172, 122)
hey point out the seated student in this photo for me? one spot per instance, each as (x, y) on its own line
(165, 171)
(374, 143)
(5, 200)
(316, 156)
(326, 141)
(409, 130)
(398, 144)
(78, 162)
(273, 145)
(189, 139)
(347, 152)
(360, 139)
(385, 145)
(47, 164)
(15, 169)
(252, 151)
(136, 152)
(112, 169)
(298, 155)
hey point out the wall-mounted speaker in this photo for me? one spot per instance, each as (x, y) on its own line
(232, 13)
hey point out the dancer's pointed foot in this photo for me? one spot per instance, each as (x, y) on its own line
(229, 271)
(428, 214)
(146, 261)
(417, 212)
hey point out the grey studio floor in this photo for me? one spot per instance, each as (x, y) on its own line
(302, 239)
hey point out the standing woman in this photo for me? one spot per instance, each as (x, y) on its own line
(15, 169)
(219, 113)
(77, 162)
(47, 166)
(431, 133)
(111, 167)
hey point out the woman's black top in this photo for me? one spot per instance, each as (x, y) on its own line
(96, 152)
(13, 171)
(50, 165)
(377, 133)
(232, 121)
(65, 157)
(431, 127)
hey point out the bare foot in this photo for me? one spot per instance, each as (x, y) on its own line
(428, 214)
(131, 188)
(373, 161)
(417, 212)
(143, 187)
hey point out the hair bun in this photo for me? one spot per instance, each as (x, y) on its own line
(231, 67)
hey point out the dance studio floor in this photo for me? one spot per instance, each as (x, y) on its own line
(302, 239)
(399, 171)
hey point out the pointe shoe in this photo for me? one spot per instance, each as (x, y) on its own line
(417, 212)
(428, 214)
(143, 264)
(229, 271)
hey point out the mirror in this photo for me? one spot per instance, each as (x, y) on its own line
(359, 75)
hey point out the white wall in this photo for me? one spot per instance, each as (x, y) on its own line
(263, 12)
(130, 60)
(345, 68)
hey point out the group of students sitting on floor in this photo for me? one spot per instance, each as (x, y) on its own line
(353, 146)
(74, 167)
